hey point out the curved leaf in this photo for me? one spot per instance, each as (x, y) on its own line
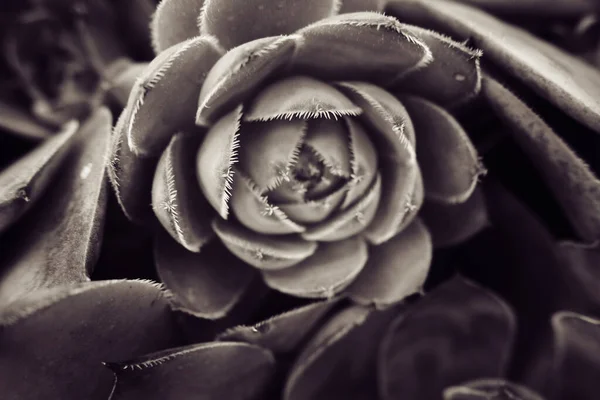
(59, 239)
(207, 284)
(490, 389)
(456, 333)
(58, 338)
(204, 371)
(175, 21)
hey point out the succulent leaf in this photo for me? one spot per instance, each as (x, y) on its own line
(266, 252)
(395, 269)
(215, 161)
(174, 21)
(22, 124)
(239, 73)
(284, 332)
(207, 284)
(24, 181)
(205, 371)
(490, 389)
(319, 358)
(567, 82)
(330, 140)
(173, 78)
(331, 268)
(176, 198)
(60, 337)
(539, 8)
(576, 356)
(453, 76)
(51, 248)
(452, 224)
(314, 211)
(447, 158)
(358, 46)
(352, 6)
(456, 333)
(570, 179)
(299, 97)
(235, 23)
(256, 212)
(268, 150)
(131, 176)
(349, 221)
(391, 131)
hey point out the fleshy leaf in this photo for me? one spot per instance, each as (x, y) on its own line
(456, 333)
(363, 161)
(216, 157)
(284, 332)
(58, 240)
(266, 252)
(451, 224)
(131, 176)
(576, 356)
(207, 284)
(299, 97)
(358, 46)
(328, 271)
(235, 23)
(205, 371)
(490, 389)
(59, 337)
(163, 101)
(395, 269)
(24, 181)
(330, 140)
(312, 211)
(564, 80)
(121, 76)
(452, 78)
(268, 149)
(318, 359)
(392, 133)
(581, 264)
(22, 124)
(239, 73)
(569, 178)
(174, 21)
(447, 158)
(256, 212)
(350, 221)
(176, 197)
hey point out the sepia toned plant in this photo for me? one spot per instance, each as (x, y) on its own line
(312, 177)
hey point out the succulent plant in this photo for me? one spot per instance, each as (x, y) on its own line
(315, 264)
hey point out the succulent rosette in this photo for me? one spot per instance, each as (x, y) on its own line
(305, 144)
(327, 151)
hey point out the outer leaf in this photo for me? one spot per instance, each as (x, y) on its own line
(235, 23)
(175, 21)
(537, 8)
(490, 389)
(206, 284)
(284, 332)
(58, 337)
(327, 272)
(451, 224)
(266, 252)
(351, 6)
(456, 333)
(359, 46)
(566, 81)
(131, 176)
(22, 124)
(576, 356)
(395, 269)
(163, 101)
(318, 359)
(581, 264)
(447, 158)
(58, 241)
(453, 76)
(176, 197)
(24, 181)
(206, 371)
(239, 73)
(569, 178)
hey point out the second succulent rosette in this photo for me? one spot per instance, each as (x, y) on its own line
(307, 142)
